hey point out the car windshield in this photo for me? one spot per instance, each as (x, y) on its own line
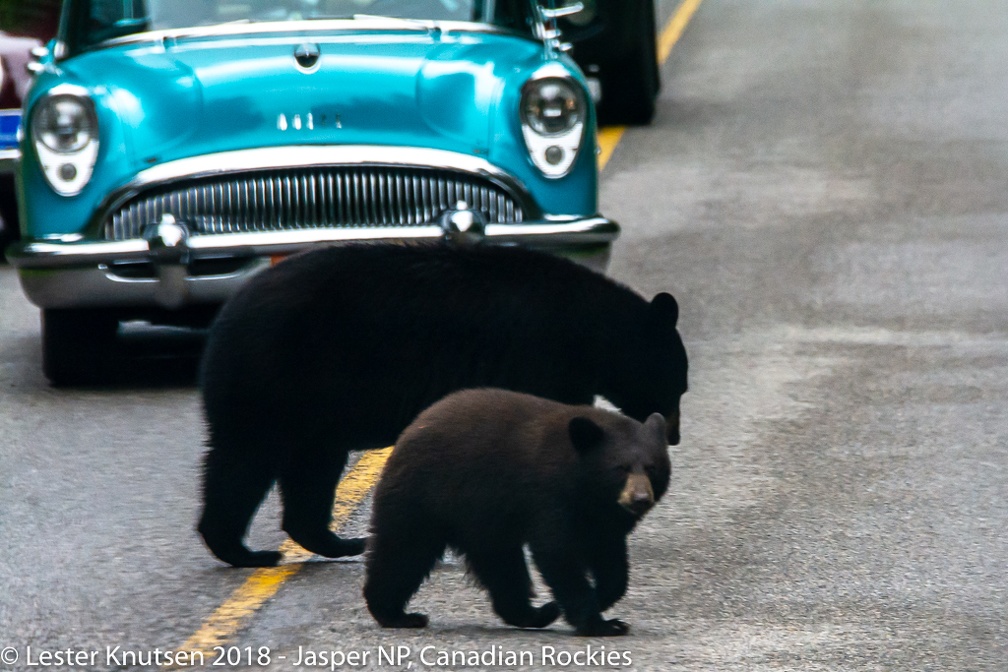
(94, 21)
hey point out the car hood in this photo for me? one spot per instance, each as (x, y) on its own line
(189, 96)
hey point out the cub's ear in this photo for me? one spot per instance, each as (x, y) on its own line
(584, 434)
(663, 311)
(655, 427)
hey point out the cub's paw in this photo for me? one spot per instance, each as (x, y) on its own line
(544, 615)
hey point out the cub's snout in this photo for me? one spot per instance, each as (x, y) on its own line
(638, 495)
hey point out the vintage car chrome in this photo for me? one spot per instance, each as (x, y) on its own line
(275, 201)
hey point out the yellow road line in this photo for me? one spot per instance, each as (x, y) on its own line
(675, 27)
(610, 136)
(231, 616)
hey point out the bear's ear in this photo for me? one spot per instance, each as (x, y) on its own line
(584, 434)
(663, 311)
(656, 427)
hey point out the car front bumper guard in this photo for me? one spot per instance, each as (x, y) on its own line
(70, 271)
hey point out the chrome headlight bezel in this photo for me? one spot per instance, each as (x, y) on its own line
(64, 133)
(553, 111)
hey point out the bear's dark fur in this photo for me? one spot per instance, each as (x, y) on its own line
(488, 471)
(339, 349)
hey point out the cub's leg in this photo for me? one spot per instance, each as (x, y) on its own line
(609, 565)
(564, 572)
(399, 558)
(504, 574)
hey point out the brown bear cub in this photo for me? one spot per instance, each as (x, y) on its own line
(488, 471)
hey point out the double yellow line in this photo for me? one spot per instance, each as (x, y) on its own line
(220, 628)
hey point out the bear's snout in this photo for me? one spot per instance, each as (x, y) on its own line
(637, 496)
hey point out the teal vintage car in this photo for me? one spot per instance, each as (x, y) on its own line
(172, 148)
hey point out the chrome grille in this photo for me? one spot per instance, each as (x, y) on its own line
(324, 197)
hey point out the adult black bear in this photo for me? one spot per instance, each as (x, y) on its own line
(488, 471)
(339, 349)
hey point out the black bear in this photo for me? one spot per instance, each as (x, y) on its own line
(486, 472)
(339, 349)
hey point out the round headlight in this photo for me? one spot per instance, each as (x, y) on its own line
(65, 124)
(552, 107)
(64, 133)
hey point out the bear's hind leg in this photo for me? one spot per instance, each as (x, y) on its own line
(308, 488)
(233, 488)
(504, 573)
(397, 563)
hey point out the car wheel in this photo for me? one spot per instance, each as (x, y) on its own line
(77, 346)
(630, 84)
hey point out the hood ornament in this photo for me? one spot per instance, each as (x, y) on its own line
(307, 56)
(546, 28)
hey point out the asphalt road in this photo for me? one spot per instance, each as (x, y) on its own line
(824, 191)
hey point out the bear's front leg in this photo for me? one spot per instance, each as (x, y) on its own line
(565, 574)
(504, 574)
(609, 565)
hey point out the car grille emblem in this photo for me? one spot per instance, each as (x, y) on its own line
(307, 56)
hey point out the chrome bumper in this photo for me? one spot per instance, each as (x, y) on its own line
(71, 272)
(9, 159)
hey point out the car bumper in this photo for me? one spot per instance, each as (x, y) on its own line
(168, 268)
(9, 159)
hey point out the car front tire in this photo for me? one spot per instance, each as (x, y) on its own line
(630, 84)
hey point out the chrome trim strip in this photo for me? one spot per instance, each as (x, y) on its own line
(66, 89)
(9, 159)
(101, 286)
(304, 27)
(69, 252)
(44, 253)
(574, 232)
(309, 156)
